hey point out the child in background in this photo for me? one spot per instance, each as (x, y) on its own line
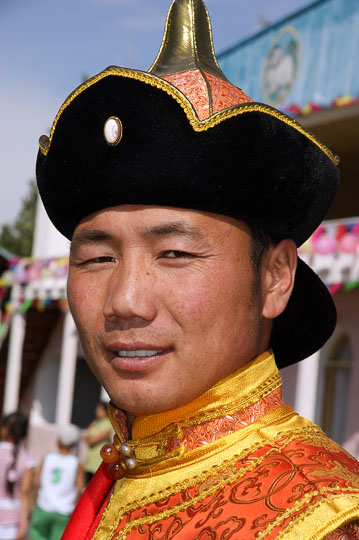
(60, 481)
(96, 435)
(16, 472)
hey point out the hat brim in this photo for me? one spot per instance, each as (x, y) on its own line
(307, 322)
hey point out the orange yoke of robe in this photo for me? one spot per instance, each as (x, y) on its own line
(235, 463)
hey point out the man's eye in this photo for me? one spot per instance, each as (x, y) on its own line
(175, 254)
(96, 260)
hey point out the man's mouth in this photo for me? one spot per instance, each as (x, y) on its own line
(136, 357)
(140, 353)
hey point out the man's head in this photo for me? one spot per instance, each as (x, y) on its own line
(68, 435)
(163, 170)
(167, 301)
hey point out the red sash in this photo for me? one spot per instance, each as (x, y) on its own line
(88, 512)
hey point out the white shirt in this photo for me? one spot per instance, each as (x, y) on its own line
(57, 491)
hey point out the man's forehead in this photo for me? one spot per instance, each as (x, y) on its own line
(156, 221)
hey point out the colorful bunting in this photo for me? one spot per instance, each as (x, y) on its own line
(28, 270)
(333, 238)
(341, 101)
(26, 305)
(335, 243)
(351, 285)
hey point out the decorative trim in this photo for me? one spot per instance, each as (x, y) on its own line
(252, 397)
(315, 433)
(196, 124)
(312, 514)
(208, 432)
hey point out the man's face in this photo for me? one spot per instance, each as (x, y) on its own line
(163, 301)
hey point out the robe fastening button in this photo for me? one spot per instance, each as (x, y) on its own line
(126, 450)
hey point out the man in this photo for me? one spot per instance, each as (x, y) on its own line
(184, 201)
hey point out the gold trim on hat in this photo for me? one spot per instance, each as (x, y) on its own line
(197, 125)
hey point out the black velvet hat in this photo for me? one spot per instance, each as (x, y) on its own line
(182, 135)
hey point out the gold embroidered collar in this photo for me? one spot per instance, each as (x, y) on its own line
(234, 402)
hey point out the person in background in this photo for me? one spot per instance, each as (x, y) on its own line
(59, 481)
(97, 434)
(16, 472)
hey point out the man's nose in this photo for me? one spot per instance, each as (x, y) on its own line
(130, 296)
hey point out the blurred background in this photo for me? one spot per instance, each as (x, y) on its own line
(296, 55)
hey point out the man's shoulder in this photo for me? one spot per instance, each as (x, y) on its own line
(303, 482)
(289, 482)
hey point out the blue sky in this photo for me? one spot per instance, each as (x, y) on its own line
(48, 46)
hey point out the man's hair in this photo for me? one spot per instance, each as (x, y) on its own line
(260, 242)
(16, 424)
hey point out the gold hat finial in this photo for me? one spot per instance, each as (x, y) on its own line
(187, 42)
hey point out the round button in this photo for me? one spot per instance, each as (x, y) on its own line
(126, 450)
(113, 131)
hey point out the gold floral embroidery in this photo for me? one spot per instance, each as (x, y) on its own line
(333, 469)
(200, 434)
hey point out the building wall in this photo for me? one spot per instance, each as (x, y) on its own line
(43, 388)
(87, 393)
(344, 402)
(48, 242)
(335, 401)
(310, 56)
(289, 377)
(348, 322)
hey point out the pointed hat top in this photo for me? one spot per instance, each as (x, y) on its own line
(187, 60)
(187, 42)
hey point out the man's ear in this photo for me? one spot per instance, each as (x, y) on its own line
(280, 264)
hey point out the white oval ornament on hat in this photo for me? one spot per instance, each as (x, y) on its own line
(113, 131)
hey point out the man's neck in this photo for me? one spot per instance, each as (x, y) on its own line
(130, 421)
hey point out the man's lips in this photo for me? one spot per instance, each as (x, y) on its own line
(142, 353)
(136, 356)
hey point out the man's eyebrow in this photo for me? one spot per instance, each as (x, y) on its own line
(177, 228)
(89, 236)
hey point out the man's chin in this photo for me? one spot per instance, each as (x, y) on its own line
(142, 405)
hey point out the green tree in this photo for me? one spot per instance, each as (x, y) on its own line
(17, 237)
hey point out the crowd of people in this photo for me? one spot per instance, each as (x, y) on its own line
(38, 498)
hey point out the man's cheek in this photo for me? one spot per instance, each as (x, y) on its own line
(193, 305)
(83, 297)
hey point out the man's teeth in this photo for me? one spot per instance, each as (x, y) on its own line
(138, 353)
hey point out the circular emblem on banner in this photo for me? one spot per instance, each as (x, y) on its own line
(281, 65)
